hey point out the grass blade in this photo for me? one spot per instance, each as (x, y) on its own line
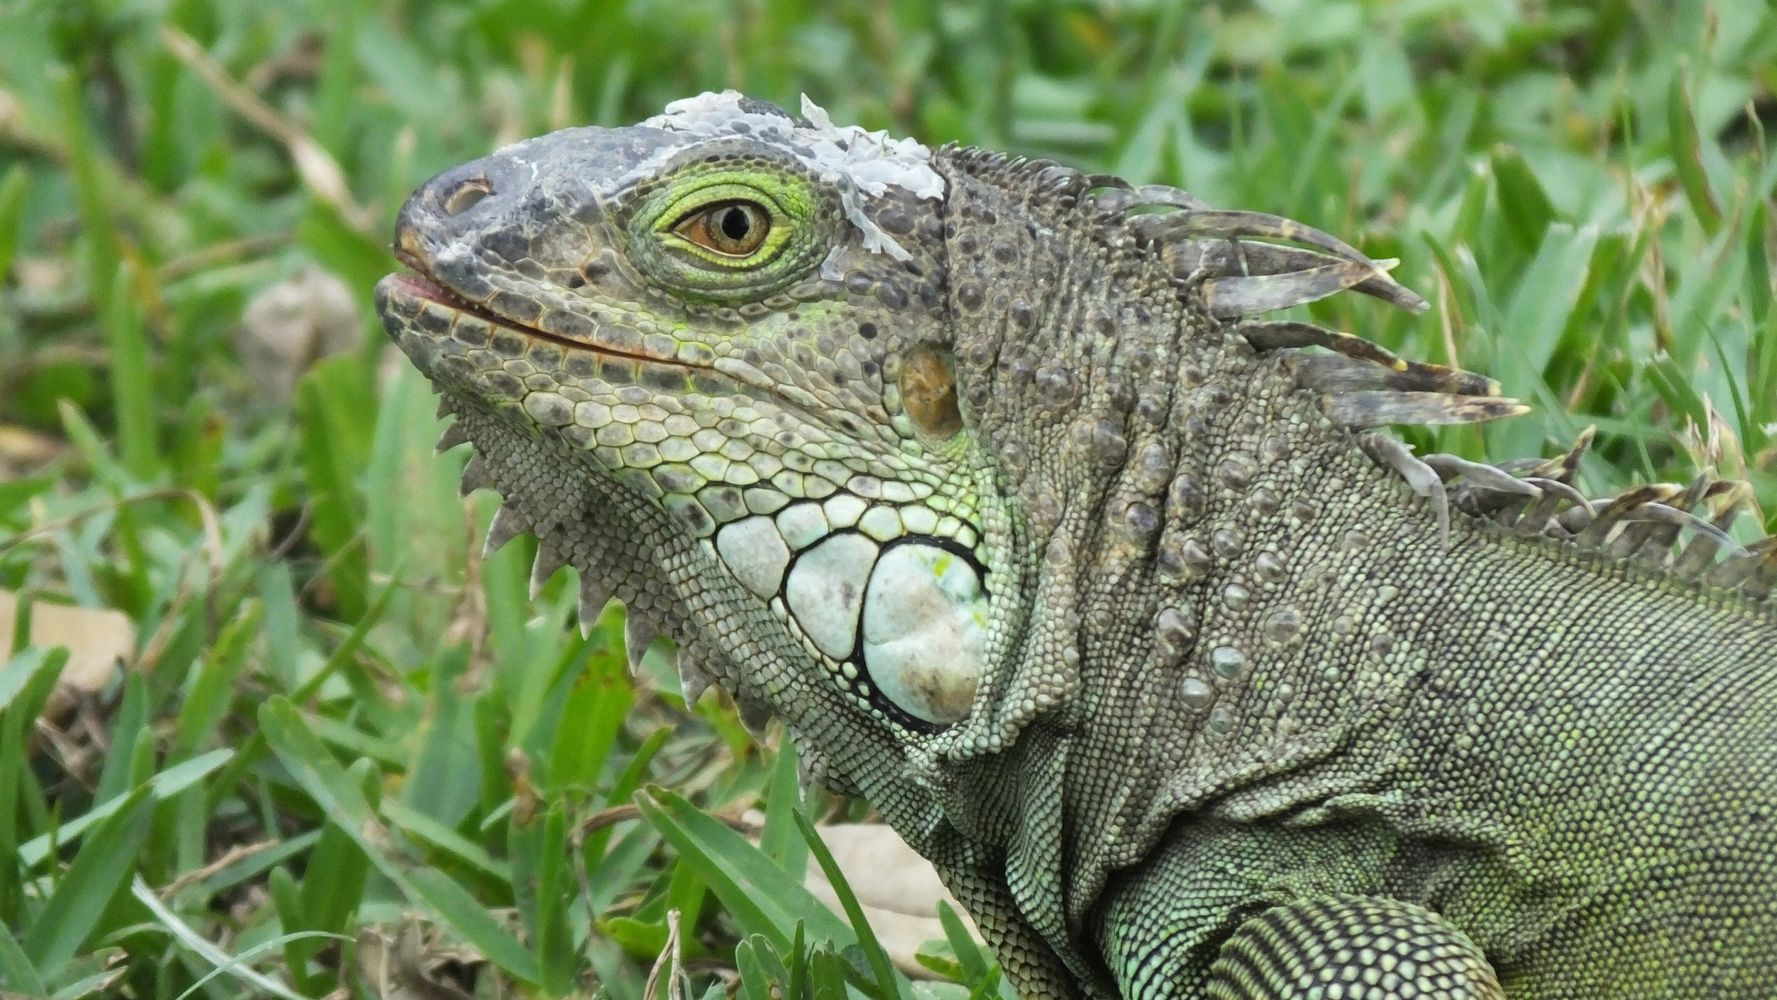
(880, 965)
(762, 898)
(1687, 153)
(161, 787)
(105, 862)
(314, 768)
(16, 969)
(221, 961)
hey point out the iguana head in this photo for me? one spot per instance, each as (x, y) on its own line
(707, 360)
(840, 413)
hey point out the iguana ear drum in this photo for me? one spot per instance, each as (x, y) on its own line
(928, 393)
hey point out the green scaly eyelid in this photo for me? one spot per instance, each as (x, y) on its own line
(798, 237)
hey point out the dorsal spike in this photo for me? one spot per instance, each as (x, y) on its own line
(1233, 297)
(1700, 553)
(1363, 410)
(550, 557)
(476, 476)
(1764, 573)
(1226, 224)
(595, 593)
(755, 715)
(507, 525)
(1422, 478)
(1536, 517)
(454, 434)
(695, 677)
(1479, 475)
(1598, 530)
(638, 634)
(1336, 373)
(1731, 572)
(1563, 491)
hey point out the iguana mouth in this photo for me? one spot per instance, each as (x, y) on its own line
(416, 285)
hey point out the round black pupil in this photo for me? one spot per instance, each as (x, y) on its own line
(735, 223)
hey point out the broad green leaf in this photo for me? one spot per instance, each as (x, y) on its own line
(762, 972)
(595, 709)
(1524, 206)
(542, 888)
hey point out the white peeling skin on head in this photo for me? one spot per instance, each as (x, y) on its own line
(856, 161)
(873, 160)
(925, 631)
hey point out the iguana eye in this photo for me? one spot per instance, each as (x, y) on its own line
(733, 228)
(720, 233)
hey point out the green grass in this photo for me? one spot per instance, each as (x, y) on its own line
(336, 715)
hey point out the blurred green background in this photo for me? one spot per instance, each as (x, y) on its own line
(270, 725)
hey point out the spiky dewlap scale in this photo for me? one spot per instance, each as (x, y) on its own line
(993, 481)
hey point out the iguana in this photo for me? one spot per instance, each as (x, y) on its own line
(986, 477)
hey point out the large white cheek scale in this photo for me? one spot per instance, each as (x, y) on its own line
(925, 631)
(825, 588)
(919, 606)
(755, 552)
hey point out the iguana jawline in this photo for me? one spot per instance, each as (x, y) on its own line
(419, 285)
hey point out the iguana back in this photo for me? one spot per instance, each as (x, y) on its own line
(986, 478)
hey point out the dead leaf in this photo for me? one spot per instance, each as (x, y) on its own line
(291, 325)
(319, 171)
(408, 967)
(99, 641)
(668, 972)
(23, 452)
(1721, 445)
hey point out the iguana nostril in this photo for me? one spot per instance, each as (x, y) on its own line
(466, 195)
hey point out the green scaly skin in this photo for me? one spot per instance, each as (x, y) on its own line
(996, 491)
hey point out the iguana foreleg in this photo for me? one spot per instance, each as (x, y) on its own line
(1205, 920)
(1351, 946)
